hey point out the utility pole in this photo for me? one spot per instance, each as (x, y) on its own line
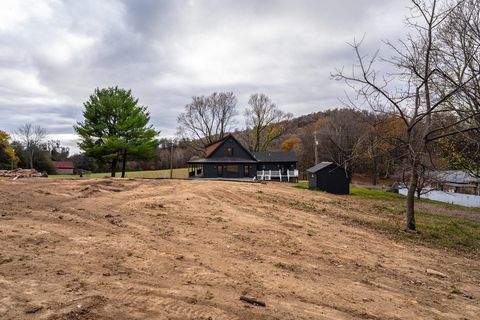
(12, 162)
(172, 142)
(316, 146)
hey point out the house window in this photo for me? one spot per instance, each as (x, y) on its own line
(219, 171)
(246, 171)
(229, 152)
(232, 169)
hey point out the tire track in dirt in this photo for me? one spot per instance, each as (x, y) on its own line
(170, 305)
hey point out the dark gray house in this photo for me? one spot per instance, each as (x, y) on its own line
(228, 158)
(327, 176)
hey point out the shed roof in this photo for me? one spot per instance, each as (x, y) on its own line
(319, 166)
(275, 156)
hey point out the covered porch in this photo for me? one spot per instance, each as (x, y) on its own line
(289, 175)
(195, 170)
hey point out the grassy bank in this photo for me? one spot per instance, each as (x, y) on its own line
(180, 173)
(438, 223)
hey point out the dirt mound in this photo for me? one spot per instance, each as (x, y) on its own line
(21, 173)
(101, 186)
(163, 249)
(81, 309)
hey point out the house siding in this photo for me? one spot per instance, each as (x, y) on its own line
(312, 180)
(331, 179)
(284, 166)
(210, 170)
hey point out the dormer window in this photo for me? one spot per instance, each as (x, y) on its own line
(230, 152)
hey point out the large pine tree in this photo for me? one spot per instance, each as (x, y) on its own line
(116, 128)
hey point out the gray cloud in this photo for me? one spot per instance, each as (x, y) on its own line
(53, 54)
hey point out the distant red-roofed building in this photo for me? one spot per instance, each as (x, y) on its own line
(63, 167)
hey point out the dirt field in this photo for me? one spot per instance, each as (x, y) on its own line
(152, 249)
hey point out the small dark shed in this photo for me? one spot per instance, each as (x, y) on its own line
(327, 176)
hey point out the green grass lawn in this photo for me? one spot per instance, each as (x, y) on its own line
(361, 192)
(448, 231)
(374, 193)
(442, 229)
(386, 195)
(181, 173)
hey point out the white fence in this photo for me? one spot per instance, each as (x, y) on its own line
(467, 200)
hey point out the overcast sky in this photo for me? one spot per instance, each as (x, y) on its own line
(54, 53)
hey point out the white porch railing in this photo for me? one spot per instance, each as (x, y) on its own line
(277, 174)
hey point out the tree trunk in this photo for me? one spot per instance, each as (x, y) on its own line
(31, 159)
(387, 170)
(171, 162)
(412, 187)
(375, 171)
(257, 140)
(124, 163)
(114, 167)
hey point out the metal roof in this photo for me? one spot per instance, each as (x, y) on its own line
(319, 166)
(222, 160)
(275, 156)
(452, 176)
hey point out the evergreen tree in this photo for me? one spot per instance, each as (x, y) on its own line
(116, 128)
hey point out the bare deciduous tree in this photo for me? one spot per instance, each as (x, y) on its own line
(378, 146)
(460, 38)
(463, 60)
(422, 91)
(341, 137)
(31, 137)
(207, 119)
(265, 122)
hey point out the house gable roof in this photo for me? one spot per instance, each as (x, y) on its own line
(211, 148)
(275, 156)
(319, 166)
(253, 157)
